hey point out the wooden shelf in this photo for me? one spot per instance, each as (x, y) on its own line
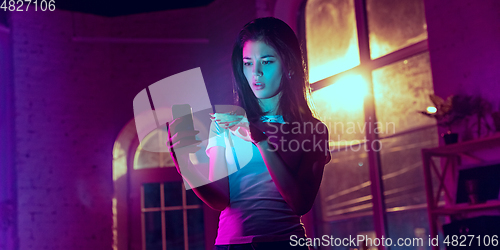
(453, 157)
(463, 147)
(461, 208)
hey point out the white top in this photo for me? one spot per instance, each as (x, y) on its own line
(256, 211)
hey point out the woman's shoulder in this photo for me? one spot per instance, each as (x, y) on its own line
(315, 120)
(312, 124)
(319, 124)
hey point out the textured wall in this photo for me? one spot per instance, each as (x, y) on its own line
(7, 147)
(464, 38)
(72, 98)
(64, 132)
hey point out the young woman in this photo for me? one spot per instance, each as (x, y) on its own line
(266, 163)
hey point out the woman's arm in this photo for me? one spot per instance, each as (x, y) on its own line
(297, 184)
(216, 193)
(213, 193)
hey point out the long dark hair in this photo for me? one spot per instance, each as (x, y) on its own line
(296, 92)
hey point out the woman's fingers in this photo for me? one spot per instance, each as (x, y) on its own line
(186, 150)
(229, 123)
(242, 132)
(175, 137)
(182, 134)
(224, 117)
(172, 125)
(228, 120)
(186, 145)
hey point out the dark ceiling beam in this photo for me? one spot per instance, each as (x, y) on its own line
(113, 8)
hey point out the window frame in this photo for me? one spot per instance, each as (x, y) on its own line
(161, 175)
(365, 68)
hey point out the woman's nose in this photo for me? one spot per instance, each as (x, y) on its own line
(257, 69)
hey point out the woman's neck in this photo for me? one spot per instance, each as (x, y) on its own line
(270, 105)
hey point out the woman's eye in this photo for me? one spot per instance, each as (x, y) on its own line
(247, 63)
(267, 62)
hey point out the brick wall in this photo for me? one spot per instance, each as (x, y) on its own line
(7, 173)
(72, 99)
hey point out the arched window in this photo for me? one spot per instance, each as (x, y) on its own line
(151, 208)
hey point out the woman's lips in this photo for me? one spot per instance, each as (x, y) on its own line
(258, 85)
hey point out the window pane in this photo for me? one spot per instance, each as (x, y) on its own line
(153, 230)
(412, 224)
(346, 197)
(332, 40)
(402, 89)
(340, 107)
(401, 159)
(152, 195)
(196, 229)
(173, 193)
(404, 183)
(174, 230)
(395, 24)
(345, 189)
(146, 159)
(345, 229)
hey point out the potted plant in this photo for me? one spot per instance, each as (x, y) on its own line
(456, 108)
(474, 110)
(444, 115)
(496, 119)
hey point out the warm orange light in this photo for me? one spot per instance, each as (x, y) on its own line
(378, 47)
(119, 161)
(346, 94)
(348, 61)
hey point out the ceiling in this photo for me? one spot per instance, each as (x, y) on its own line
(113, 8)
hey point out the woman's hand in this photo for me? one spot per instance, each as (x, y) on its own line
(181, 143)
(239, 126)
(228, 120)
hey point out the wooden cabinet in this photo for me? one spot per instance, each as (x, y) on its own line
(439, 180)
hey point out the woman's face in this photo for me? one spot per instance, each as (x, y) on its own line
(262, 69)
